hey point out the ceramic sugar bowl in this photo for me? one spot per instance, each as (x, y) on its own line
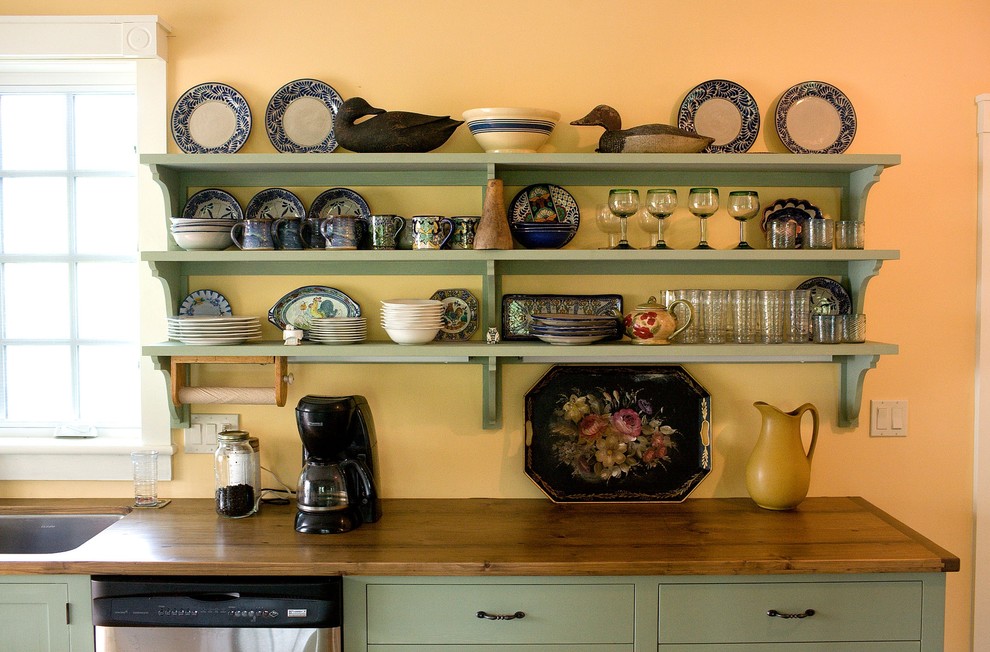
(654, 323)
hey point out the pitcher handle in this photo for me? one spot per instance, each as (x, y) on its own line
(275, 237)
(449, 224)
(679, 329)
(808, 407)
(233, 235)
(401, 224)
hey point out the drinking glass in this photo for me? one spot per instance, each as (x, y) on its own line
(607, 223)
(660, 203)
(623, 202)
(771, 307)
(703, 202)
(648, 223)
(743, 206)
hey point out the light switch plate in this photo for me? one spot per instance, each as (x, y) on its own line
(201, 435)
(888, 418)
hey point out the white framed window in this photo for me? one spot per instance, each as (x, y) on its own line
(80, 97)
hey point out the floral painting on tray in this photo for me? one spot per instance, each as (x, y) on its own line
(629, 433)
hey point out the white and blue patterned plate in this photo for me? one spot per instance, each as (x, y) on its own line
(274, 203)
(304, 304)
(460, 314)
(339, 201)
(299, 117)
(205, 303)
(722, 110)
(828, 297)
(815, 118)
(211, 118)
(213, 204)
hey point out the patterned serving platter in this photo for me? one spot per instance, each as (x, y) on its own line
(309, 302)
(518, 310)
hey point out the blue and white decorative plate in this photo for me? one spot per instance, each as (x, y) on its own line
(545, 203)
(339, 201)
(213, 204)
(722, 110)
(460, 314)
(815, 118)
(299, 117)
(211, 118)
(301, 306)
(828, 297)
(205, 303)
(274, 203)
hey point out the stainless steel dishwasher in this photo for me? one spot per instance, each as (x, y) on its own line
(217, 614)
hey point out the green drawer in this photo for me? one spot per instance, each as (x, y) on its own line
(562, 614)
(875, 646)
(737, 613)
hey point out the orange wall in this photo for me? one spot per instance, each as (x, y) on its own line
(912, 71)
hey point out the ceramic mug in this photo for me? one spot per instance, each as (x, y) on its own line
(253, 234)
(431, 231)
(465, 228)
(341, 231)
(287, 233)
(383, 229)
(405, 238)
(310, 233)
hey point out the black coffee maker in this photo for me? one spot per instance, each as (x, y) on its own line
(338, 485)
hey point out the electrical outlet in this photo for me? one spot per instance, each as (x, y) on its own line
(888, 418)
(201, 435)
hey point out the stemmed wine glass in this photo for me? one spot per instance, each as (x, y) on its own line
(743, 206)
(623, 202)
(661, 202)
(648, 224)
(607, 223)
(703, 202)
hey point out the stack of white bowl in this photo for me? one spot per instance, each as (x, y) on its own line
(202, 234)
(412, 321)
(338, 330)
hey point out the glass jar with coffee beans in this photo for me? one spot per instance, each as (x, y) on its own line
(236, 469)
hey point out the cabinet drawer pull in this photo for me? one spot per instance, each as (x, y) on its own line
(773, 613)
(488, 616)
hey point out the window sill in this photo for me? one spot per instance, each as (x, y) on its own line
(27, 458)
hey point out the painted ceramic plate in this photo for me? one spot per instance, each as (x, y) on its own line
(722, 110)
(339, 201)
(544, 203)
(618, 433)
(780, 204)
(815, 118)
(274, 203)
(211, 118)
(518, 310)
(460, 314)
(828, 297)
(213, 204)
(205, 303)
(309, 302)
(299, 117)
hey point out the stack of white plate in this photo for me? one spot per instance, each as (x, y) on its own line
(573, 329)
(213, 329)
(338, 330)
(412, 321)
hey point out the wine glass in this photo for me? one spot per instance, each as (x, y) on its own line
(607, 223)
(648, 224)
(743, 206)
(661, 202)
(623, 202)
(703, 202)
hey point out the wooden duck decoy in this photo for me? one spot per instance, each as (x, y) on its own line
(389, 131)
(650, 138)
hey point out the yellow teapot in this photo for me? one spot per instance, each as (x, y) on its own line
(654, 323)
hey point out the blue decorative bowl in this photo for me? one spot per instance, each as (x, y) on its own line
(543, 238)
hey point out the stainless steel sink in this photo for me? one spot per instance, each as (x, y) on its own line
(37, 534)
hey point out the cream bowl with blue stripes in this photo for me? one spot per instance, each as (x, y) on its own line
(515, 130)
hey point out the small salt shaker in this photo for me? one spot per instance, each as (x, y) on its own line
(292, 336)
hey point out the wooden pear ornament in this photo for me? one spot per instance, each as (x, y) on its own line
(493, 230)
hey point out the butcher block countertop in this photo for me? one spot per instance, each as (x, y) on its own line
(489, 537)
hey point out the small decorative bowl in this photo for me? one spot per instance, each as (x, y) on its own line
(203, 240)
(506, 129)
(543, 238)
(412, 335)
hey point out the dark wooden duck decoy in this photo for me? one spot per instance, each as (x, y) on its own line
(650, 138)
(389, 131)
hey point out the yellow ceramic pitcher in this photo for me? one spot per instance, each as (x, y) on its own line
(779, 471)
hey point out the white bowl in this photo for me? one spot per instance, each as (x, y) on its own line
(203, 240)
(412, 335)
(508, 129)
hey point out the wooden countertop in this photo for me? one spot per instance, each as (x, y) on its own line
(488, 537)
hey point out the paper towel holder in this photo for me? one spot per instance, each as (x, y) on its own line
(183, 393)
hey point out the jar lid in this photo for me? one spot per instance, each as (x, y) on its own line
(233, 435)
(651, 304)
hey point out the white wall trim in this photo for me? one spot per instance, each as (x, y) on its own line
(90, 37)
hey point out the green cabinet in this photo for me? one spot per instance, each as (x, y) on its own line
(875, 613)
(851, 176)
(46, 613)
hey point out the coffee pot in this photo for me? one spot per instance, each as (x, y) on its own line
(654, 323)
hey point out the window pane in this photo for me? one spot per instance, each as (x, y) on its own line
(109, 385)
(36, 300)
(33, 132)
(35, 216)
(106, 216)
(108, 301)
(39, 383)
(106, 133)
